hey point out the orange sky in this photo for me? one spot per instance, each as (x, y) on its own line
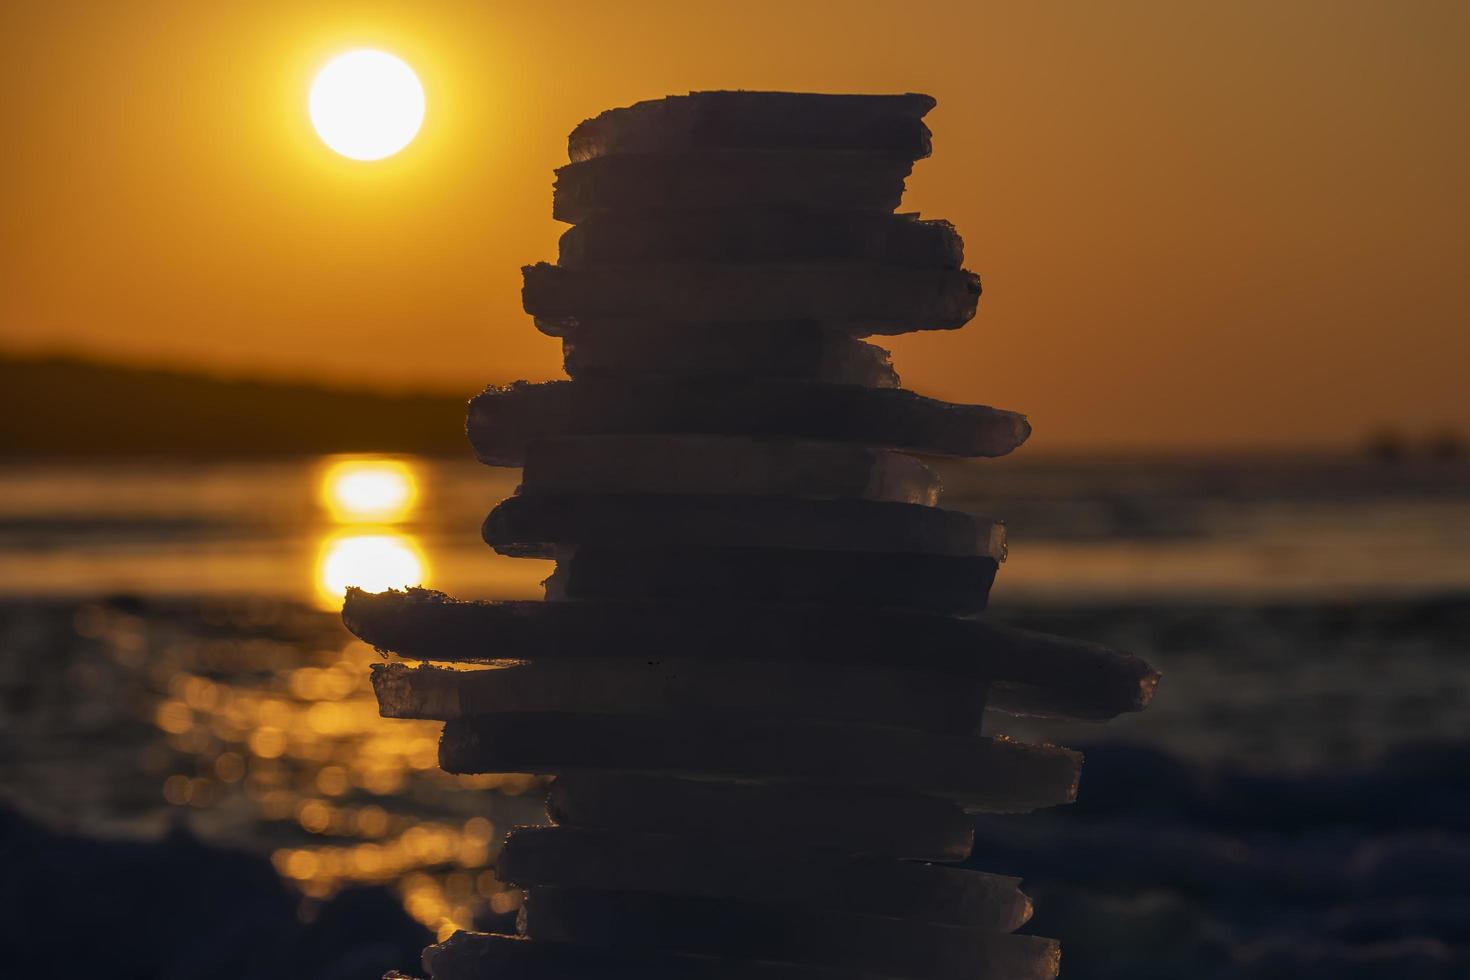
(1197, 224)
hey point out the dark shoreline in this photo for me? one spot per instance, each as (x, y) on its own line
(76, 408)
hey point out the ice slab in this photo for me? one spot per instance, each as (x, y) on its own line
(1031, 673)
(797, 351)
(761, 235)
(846, 821)
(533, 524)
(478, 956)
(726, 465)
(732, 688)
(721, 927)
(890, 124)
(728, 178)
(783, 871)
(846, 579)
(860, 298)
(504, 420)
(994, 774)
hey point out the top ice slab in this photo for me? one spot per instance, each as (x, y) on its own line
(887, 124)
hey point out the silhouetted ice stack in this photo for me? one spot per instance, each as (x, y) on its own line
(757, 679)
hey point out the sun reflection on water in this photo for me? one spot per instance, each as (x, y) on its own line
(265, 718)
(361, 495)
(375, 561)
(377, 490)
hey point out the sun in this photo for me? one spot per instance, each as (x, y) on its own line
(367, 104)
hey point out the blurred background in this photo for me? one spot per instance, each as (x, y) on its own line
(1223, 249)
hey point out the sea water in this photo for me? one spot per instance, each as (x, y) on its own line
(171, 652)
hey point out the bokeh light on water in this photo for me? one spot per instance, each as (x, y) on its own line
(263, 715)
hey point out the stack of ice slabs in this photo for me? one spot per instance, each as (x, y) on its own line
(757, 677)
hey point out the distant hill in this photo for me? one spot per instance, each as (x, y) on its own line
(56, 406)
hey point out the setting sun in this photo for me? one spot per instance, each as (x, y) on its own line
(367, 104)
